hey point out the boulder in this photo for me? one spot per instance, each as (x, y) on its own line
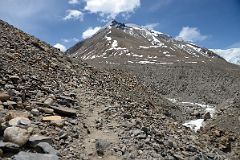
(16, 135)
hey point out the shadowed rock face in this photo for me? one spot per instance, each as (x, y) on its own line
(170, 67)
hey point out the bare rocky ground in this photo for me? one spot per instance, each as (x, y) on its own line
(54, 107)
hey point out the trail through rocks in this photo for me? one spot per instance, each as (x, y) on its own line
(100, 137)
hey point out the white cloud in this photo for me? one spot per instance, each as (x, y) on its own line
(151, 26)
(74, 14)
(60, 46)
(90, 32)
(69, 40)
(191, 34)
(73, 1)
(111, 8)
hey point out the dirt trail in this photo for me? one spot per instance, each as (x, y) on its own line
(101, 138)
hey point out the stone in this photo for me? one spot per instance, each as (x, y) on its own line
(59, 123)
(207, 116)
(48, 102)
(44, 147)
(8, 147)
(68, 99)
(64, 111)
(1, 153)
(10, 103)
(14, 78)
(16, 135)
(19, 121)
(35, 112)
(101, 146)
(1, 107)
(4, 96)
(52, 118)
(35, 139)
(13, 114)
(35, 156)
(47, 110)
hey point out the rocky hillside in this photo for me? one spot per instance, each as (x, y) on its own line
(55, 107)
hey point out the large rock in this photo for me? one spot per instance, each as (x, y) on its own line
(35, 139)
(34, 156)
(16, 135)
(4, 96)
(64, 111)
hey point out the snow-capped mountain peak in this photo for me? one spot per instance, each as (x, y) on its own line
(129, 43)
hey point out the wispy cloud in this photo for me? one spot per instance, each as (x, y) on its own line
(74, 14)
(60, 46)
(70, 40)
(109, 9)
(191, 34)
(235, 45)
(73, 1)
(161, 3)
(151, 26)
(90, 32)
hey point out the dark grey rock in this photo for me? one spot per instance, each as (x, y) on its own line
(101, 146)
(35, 156)
(8, 147)
(64, 111)
(35, 139)
(45, 147)
(207, 116)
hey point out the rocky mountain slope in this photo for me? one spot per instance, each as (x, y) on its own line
(232, 55)
(173, 68)
(55, 107)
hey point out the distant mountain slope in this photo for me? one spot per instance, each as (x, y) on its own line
(171, 67)
(232, 55)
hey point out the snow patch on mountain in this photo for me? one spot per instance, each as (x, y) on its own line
(231, 55)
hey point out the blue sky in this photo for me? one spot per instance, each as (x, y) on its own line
(209, 23)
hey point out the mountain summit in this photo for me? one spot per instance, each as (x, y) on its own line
(129, 43)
